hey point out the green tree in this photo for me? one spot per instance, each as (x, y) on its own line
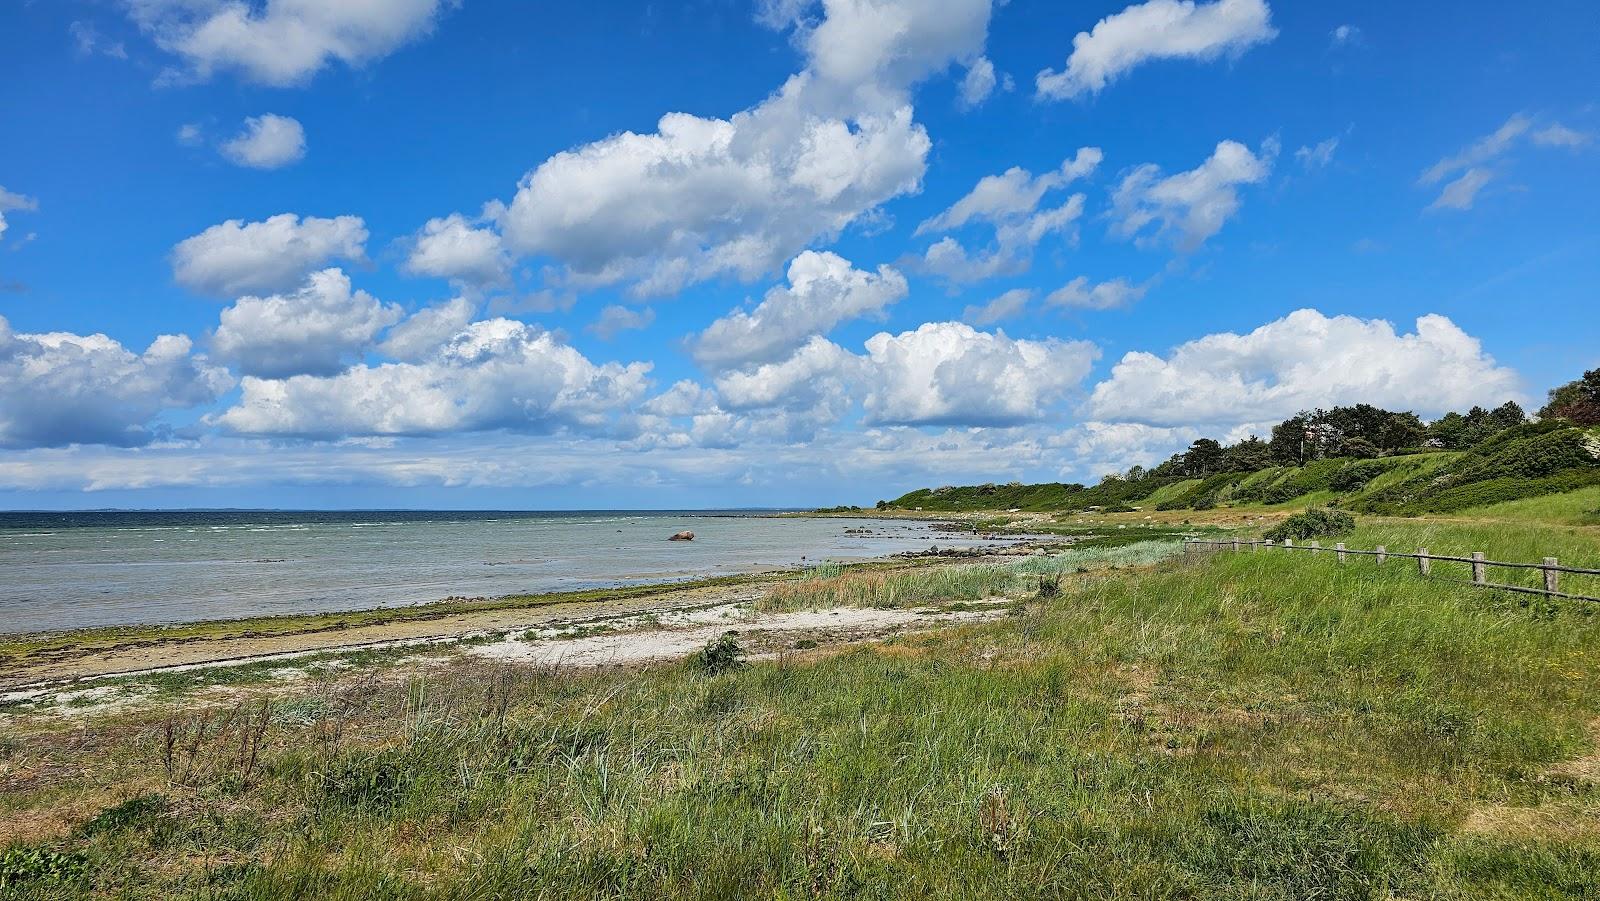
(1249, 455)
(1203, 457)
(1578, 400)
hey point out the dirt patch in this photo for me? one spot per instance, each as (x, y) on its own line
(1558, 819)
(681, 636)
(1587, 767)
(176, 656)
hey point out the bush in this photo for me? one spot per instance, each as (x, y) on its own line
(130, 814)
(22, 866)
(1313, 523)
(720, 656)
(379, 781)
(1355, 476)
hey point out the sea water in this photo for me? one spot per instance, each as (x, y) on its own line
(75, 570)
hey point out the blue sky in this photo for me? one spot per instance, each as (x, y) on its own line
(423, 253)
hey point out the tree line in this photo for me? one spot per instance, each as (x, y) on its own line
(1365, 431)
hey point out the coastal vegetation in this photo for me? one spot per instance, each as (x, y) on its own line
(1260, 725)
(1362, 458)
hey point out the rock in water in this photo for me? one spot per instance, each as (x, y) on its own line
(682, 536)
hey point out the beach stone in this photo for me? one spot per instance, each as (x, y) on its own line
(682, 536)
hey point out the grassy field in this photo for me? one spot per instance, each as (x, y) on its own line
(1202, 726)
(1574, 507)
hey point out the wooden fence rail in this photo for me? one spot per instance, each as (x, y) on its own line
(1551, 567)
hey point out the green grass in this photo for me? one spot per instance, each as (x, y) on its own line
(1573, 507)
(1254, 725)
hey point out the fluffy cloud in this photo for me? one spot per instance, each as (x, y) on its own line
(423, 331)
(10, 202)
(1007, 306)
(702, 197)
(1302, 361)
(1010, 203)
(617, 318)
(315, 330)
(1190, 206)
(979, 83)
(58, 388)
(452, 248)
(267, 142)
(1158, 29)
(823, 291)
(281, 42)
(1097, 448)
(1012, 194)
(493, 374)
(1080, 293)
(819, 373)
(238, 257)
(948, 373)
(1345, 34)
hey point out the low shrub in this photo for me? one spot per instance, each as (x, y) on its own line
(720, 656)
(132, 813)
(23, 865)
(379, 780)
(1314, 523)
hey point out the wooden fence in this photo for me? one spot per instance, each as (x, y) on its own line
(1551, 568)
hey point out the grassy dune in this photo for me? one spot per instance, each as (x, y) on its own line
(1217, 726)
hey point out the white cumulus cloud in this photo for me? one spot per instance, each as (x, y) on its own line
(1010, 203)
(450, 247)
(315, 330)
(238, 257)
(823, 291)
(281, 42)
(979, 82)
(1299, 362)
(267, 141)
(948, 373)
(58, 388)
(818, 374)
(493, 374)
(1158, 29)
(425, 330)
(701, 197)
(1189, 207)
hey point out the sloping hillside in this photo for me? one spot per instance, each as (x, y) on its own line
(1527, 461)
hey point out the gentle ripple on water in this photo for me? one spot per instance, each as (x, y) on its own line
(74, 570)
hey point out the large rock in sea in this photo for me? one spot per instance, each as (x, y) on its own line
(682, 536)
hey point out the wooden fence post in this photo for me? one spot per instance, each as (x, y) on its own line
(1478, 569)
(1552, 583)
(1316, 546)
(1423, 563)
(1236, 544)
(1340, 548)
(1255, 546)
(1288, 542)
(1383, 554)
